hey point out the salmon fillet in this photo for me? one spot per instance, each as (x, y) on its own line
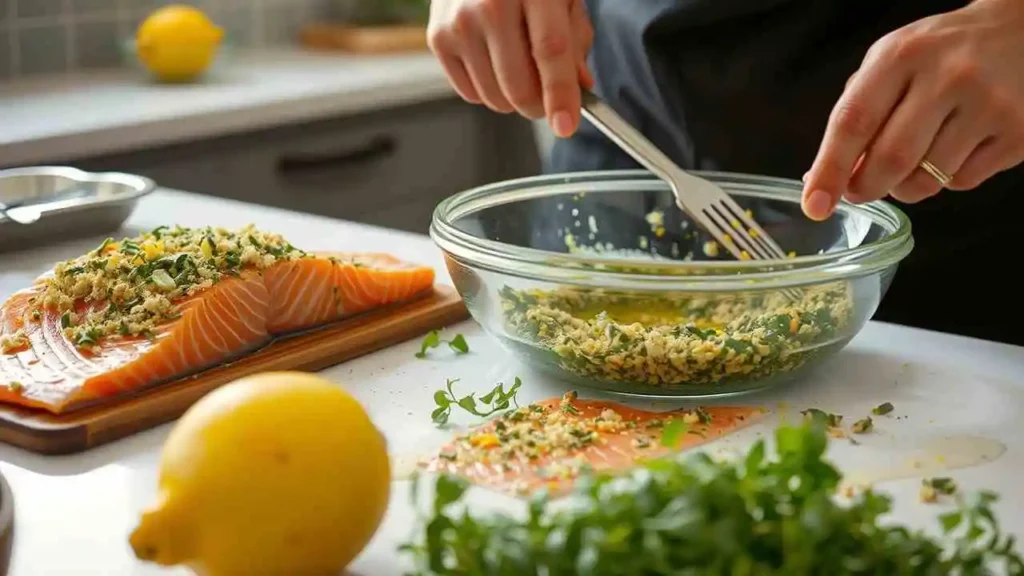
(547, 444)
(61, 348)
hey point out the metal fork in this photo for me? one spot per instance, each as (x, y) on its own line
(704, 201)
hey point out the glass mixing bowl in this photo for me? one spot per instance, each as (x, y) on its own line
(597, 278)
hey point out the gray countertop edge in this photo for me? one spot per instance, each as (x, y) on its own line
(162, 131)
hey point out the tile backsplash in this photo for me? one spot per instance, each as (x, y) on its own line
(53, 36)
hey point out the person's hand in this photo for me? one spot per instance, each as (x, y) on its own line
(948, 89)
(522, 55)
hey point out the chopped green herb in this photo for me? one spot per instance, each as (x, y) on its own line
(65, 320)
(433, 340)
(672, 432)
(497, 400)
(86, 338)
(163, 280)
(882, 409)
(459, 344)
(942, 485)
(103, 246)
(16, 387)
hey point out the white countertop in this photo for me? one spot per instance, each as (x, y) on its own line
(92, 113)
(74, 512)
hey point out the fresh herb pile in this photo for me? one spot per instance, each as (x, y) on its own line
(760, 515)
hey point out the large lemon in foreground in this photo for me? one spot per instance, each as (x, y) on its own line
(177, 43)
(279, 473)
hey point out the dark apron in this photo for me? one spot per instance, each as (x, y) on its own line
(748, 85)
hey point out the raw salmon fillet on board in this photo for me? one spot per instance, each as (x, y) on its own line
(174, 301)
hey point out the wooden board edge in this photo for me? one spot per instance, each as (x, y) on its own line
(366, 40)
(82, 430)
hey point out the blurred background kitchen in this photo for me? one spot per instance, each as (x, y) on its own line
(332, 107)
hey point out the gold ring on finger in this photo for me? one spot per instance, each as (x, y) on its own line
(943, 178)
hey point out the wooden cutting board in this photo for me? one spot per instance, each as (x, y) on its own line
(364, 39)
(45, 433)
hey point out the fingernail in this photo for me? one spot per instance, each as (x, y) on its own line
(818, 204)
(561, 123)
(804, 177)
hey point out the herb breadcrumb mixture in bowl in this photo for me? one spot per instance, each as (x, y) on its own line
(598, 278)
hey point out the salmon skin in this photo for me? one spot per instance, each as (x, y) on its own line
(546, 445)
(174, 301)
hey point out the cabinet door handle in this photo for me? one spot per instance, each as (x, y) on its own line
(377, 148)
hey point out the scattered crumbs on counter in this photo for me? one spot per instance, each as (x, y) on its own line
(883, 409)
(862, 426)
(831, 422)
(932, 488)
(827, 418)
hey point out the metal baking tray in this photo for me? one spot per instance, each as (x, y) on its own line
(71, 203)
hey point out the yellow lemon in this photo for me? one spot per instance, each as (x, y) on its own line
(278, 473)
(177, 43)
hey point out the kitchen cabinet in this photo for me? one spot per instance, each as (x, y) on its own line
(388, 167)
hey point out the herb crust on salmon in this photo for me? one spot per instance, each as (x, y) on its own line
(173, 301)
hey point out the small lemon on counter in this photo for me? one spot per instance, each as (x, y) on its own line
(277, 473)
(177, 43)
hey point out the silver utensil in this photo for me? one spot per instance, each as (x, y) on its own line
(28, 212)
(20, 214)
(704, 201)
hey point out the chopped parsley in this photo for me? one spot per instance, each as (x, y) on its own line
(433, 340)
(932, 488)
(672, 432)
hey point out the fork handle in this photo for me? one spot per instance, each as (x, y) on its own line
(628, 138)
